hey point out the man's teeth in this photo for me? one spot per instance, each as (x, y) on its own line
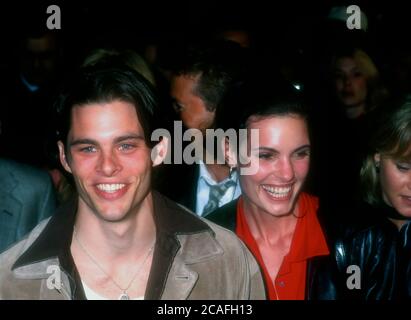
(110, 187)
(279, 192)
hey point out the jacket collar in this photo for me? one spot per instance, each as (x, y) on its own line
(52, 247)
(173, 223)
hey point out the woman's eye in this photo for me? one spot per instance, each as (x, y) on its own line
(302, 154)
(403, 166)
(265, 156)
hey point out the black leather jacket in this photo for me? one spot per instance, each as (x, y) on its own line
(402, 240)
(366, 242)
(404, 252)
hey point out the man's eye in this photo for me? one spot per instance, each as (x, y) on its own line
(88, 149)
(177, 107)
(126, 147)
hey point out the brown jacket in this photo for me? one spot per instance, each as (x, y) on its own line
(193, 259)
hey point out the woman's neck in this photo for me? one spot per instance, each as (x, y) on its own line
(355, 112)
(266, 227)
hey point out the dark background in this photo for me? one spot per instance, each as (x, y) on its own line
(276, 25)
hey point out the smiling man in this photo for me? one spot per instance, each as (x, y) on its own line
(120, 239)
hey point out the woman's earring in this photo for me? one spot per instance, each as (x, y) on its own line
(377, 167)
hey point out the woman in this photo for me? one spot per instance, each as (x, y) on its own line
(357, 92)
(278, 221)
(386, 181)
(356, 83)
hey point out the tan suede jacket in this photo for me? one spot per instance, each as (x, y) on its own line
(193, 259)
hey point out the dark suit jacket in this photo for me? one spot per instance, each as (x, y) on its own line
(179, 183)
(26, 197)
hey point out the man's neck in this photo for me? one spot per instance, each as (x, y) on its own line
(218, 172)
(117, 240)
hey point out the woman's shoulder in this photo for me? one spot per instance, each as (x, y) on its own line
(359, 220)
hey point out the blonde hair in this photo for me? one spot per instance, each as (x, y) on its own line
(392, 138)
(376, 92)
(128, 58)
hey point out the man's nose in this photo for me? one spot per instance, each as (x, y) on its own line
(108, 164)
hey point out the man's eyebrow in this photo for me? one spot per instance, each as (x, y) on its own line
(116, 140)
(83, 141)
(129, 137)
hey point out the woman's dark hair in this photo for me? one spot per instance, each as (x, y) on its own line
(97, 85)
(258, 99)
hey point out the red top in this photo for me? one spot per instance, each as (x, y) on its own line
(308, 241)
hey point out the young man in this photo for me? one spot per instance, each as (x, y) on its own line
(120, 239)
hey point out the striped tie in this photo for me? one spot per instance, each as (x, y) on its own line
(217, 191)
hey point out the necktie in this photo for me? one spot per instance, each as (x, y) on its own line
(217, 191)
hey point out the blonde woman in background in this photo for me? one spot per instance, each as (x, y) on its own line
(356, 82)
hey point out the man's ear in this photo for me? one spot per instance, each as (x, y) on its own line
(230, 154)
(63, 159)
(159, 152)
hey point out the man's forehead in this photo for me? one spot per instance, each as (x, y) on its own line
(105, 119)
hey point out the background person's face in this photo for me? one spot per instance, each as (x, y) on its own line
(395, 179)
(38, 59)
(350, 83)
(283, 157)
(109, 159)
(190, 107)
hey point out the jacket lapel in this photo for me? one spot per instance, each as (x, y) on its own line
(10, 208)
(182, 239)
(182, 278)
(180, 282)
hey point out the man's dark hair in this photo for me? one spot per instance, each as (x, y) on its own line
(96, 85)
(218, 64)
